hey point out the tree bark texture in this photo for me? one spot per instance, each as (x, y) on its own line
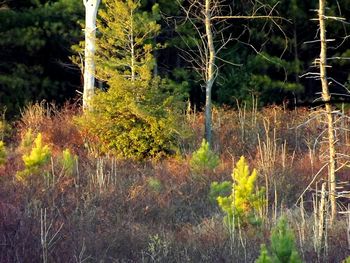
(326, 98)
(210, 73)
(91, 7)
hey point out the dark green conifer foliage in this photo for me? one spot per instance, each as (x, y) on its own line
(282, 246)
(138, 116)
(34, 50)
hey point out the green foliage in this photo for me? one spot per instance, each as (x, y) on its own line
(264, 255)
(245, 200)
(27, 141)
(38, 157)
(154, 185)
(258, 76)
(138, 117)
(219, 189)
(125, 45)
(282, 246)
(347, 260)
(2, 153)
(35, 41)
(204, 159)
(137, 126)
(68, 162)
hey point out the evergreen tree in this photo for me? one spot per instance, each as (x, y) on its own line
(282, 246)
(34, 50)
(136, 116)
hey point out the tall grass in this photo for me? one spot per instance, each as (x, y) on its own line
(110, 210)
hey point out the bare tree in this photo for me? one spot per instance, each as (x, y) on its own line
(335, 159)
(91, 7)
(326, 98)
(209, 21)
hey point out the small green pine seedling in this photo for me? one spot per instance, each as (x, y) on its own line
(245, 199)
(2, 153)
(36, 159)
(68, 162)
(264, 255)
(154, 185)
(27, 140)
(219, 189)
(282, 246)
(204, 159)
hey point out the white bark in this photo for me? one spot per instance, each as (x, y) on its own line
(91, 7)
(210, 72)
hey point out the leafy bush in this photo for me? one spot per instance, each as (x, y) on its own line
(36, 159)
(204, 159)
(244, 201)
(282, 246)
(2, 153)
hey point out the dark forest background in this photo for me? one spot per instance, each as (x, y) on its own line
(37, 38)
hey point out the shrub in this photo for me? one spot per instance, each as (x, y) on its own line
(2, 153)
(133, 120)
(282, 246)
(36, 159)
(244, 201)
(204, 159)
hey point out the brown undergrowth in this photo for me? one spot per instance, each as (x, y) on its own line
(110, 210)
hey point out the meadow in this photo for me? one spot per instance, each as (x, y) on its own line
(81, 206)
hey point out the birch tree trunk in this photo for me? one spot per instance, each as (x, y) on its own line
(326, 98)
(91, 7)
(210, 72)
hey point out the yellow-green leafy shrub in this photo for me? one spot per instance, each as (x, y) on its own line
(38, 157)
(204, 159)
(244, 202)
(282, 246)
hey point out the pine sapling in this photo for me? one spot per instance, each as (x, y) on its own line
(245, 199)
(282, 248)
(35, 160)
(204, 159)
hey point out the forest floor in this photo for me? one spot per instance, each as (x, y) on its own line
(110, 210)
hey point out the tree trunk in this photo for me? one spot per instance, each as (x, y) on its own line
(326, 98)
(91, 7)
(210, 73)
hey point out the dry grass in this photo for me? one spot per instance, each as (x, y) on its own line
(112, 210)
